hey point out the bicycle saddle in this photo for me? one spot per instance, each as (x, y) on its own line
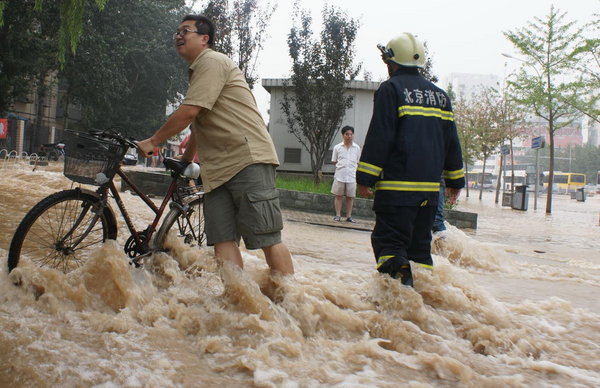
(187, 169)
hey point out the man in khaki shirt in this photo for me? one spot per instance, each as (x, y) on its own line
(236, 152)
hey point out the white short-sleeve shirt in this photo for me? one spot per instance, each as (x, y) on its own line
(346, 162)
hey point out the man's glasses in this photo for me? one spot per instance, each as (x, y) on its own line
(182, 33)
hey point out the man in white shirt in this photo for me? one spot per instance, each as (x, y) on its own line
(345, 156)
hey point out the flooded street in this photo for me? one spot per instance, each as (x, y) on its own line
(512, 304)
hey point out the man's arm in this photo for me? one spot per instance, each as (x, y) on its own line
(176, 123)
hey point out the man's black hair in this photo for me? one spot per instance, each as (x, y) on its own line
(204, 26)
(347, 128)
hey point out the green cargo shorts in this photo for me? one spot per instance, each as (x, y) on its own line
(246, 206)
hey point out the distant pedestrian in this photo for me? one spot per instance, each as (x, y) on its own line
(438, 221)
(345, 156)
(185, 143)
(411, 142)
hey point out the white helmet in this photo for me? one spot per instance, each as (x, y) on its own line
(405, 50)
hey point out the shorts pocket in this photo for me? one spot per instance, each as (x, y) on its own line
(262, 214)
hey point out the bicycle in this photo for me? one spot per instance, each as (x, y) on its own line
(63, 229)
(53, 151)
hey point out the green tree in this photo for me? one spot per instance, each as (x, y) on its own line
(427, 71)
(314, 102)
(241, 31)
(479, 118)
(126, 70)
(28, 51)
(589, 68)
(549, 46)
(70, 20)
(462, 109)
(511, 125)
(582, 159)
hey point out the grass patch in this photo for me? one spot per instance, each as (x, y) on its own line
(303, 183)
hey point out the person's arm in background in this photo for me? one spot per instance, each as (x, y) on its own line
(176, 123)
(190, 149)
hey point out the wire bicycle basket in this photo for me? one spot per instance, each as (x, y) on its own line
(90, 159)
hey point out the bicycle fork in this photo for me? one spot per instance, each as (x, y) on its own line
(68, 249)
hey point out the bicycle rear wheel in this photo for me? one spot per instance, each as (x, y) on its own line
(62, 231)
(187, 222)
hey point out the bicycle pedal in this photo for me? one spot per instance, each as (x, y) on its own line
(138, 260)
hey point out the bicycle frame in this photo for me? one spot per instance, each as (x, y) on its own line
(158, 211)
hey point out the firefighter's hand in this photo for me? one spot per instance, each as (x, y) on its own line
(452, 194)
(365, 191)
(146, 147)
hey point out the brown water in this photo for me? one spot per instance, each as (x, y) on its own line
(514, 304)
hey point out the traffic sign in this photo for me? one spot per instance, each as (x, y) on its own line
(504, 150)
(538, 142)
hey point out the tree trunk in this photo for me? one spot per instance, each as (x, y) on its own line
(512, 168)
(482, 178)
(551, 168)
(499, 178)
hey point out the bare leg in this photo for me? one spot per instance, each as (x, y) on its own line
(338, 205)
(230, 252)
(279, 259)
(349, 203)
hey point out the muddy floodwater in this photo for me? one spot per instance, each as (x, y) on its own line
(515, 303)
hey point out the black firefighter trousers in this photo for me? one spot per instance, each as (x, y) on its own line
(402, 233)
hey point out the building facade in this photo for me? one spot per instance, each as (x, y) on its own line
(292, 156)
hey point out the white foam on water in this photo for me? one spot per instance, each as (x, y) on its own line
(487, 316)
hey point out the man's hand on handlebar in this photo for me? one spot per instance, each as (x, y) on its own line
(146, 147)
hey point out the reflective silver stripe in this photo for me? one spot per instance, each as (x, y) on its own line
(410, 110)
(407, 186)
(456, 174)
(369, 169)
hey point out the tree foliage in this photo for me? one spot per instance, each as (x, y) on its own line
(583, 159)
(27, 48)
(314, 102)
(240, 31)
(126, 69)
(480, 121)
(70, 20)
(546, 83)
(427, 71)
(589, 68)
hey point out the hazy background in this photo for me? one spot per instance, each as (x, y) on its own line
(463, 36)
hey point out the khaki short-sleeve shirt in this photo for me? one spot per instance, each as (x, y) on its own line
(230, 133)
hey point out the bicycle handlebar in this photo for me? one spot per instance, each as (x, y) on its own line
(114, 135)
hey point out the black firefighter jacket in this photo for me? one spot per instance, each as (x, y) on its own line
(411, 143)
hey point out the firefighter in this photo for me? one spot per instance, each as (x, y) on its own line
(411, 142)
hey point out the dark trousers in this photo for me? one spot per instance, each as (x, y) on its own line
(404, 232)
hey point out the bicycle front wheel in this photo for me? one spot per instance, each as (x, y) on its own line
(62, 231)
(188, 223)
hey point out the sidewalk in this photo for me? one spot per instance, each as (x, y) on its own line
(327, 220)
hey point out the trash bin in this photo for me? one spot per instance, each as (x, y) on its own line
(520, 198)
(580, 194)
(507, 199)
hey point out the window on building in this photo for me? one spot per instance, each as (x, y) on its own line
(292, 155)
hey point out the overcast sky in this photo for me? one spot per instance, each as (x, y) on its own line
(463, 36)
